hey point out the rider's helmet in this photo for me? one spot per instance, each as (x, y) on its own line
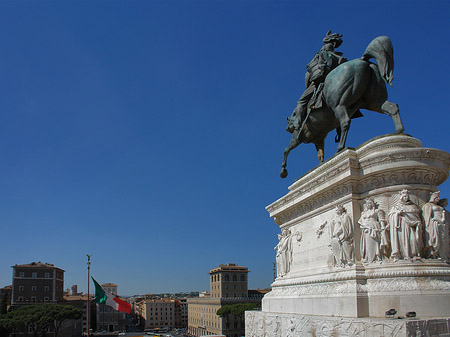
(335, 37)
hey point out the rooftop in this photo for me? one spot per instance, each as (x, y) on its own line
(229, 267)
(83, 297)
(36, 265)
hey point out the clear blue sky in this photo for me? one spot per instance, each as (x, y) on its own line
(150, 133)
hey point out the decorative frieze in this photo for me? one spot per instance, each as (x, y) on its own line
(261, 324)
(363, 230)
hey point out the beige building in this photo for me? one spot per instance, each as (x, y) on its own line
(159, 314)
(228, 285)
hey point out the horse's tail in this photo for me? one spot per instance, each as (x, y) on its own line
(382, 51)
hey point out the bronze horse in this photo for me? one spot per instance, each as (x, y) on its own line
(353, 85)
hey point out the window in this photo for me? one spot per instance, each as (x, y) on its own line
(47, 275)
(33, 298)
(20, 298)
(47, 288)
(20, 288)
(34, 275)
(21, 274)
(33, 288)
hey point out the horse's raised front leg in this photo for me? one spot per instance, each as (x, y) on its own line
(295, 141)
(392, 110)
(341, 114)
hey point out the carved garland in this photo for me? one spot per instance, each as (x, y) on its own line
(374, 275)
(373, 286)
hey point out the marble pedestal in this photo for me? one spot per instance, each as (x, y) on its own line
(324, 279)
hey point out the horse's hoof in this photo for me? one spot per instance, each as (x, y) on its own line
(283, 173)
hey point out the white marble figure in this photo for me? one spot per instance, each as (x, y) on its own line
(384, 235)
(405, 228)
(284, 252)
(436, 228)
(369, 222)
(341, 233)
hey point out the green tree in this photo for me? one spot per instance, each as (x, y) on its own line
(40, 317)
(53, 316)
(5, 328)
(237, 309)
(3, 305)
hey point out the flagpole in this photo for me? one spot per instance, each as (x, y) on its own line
(88, 305)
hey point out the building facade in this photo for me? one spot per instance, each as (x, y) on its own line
(109, 319)
(159, 314)
(181, 313)
(5, 298)
(36, 283)
(80, 301)
(228, 285)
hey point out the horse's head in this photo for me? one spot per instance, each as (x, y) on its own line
(293, 122)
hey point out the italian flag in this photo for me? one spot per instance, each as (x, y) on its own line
(103, 296)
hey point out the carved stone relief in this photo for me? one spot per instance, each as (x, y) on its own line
(290, 325)
(341, 234)
(284, 252)
(436, 221)
(374, 239)
(406, 228)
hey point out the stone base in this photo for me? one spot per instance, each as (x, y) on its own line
(268, 324)
(341, 265)
(317, 274)
(422, 286)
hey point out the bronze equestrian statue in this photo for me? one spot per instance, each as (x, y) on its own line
(337, 89)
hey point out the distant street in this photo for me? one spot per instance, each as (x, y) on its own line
(143, 334)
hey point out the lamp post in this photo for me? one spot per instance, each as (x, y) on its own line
(88, 304)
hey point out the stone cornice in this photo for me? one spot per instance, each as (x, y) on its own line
(389, 270)
(387, 161)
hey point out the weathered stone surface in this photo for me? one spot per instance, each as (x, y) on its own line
(262, 324)
(341, 273)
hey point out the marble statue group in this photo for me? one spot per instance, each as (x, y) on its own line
(405, 232)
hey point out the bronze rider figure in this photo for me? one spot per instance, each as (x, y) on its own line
(324, 61)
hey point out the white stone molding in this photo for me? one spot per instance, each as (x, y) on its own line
(318, 281)
(261, 324)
